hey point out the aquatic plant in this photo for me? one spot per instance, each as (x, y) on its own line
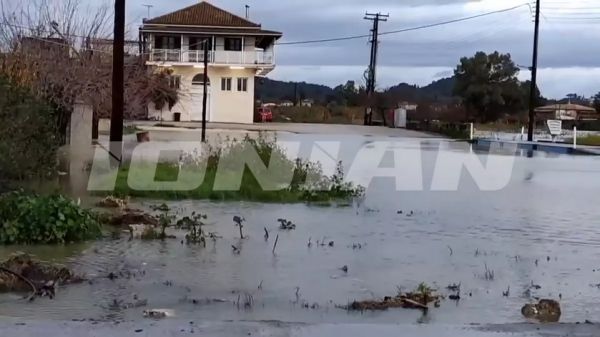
(194, 226)
(33, 219)
(239, 223)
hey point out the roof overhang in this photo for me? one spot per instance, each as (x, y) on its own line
(199, 30)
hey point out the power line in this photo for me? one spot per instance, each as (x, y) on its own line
(437, 24)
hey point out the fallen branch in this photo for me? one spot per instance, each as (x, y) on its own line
(24, 279)
(414, 304)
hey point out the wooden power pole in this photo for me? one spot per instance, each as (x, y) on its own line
(118, 83)
(205, 90)
(534, 66)
(372, 71)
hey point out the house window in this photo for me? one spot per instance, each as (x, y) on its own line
(242, 84)
(197, 43)
(175, 81)
(233, 44)
(167, 42)
(199, 80)
(226, 83)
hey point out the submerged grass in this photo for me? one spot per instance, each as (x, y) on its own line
(278, 179)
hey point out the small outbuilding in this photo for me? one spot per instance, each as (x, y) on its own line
(567, 112)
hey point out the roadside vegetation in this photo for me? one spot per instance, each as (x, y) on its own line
(33, 219)
(307, 184)
(29, 136)
(590, 140)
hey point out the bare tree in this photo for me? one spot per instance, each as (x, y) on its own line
(49, 48)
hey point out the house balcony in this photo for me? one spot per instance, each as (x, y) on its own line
(216, 57)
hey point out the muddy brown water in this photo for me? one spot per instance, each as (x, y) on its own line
(549, 209)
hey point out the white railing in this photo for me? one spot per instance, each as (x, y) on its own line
(196, 56)
(218, 56)
(166, 55)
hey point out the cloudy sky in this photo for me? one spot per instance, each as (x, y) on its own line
(569, 42)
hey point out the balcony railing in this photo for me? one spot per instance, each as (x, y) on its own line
(214, 56)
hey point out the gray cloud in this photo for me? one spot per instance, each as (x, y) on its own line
(562, 45)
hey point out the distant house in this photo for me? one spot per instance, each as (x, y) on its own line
(106, 46)
(408, 106)
(47, 45)
(237, 51)
(307, 103)
(567, 112)
(286, 104)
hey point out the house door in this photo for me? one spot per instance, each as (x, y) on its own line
(197, 97)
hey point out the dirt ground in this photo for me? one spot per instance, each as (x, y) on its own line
(175, 328)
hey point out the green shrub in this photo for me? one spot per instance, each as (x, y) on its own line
(32, 219)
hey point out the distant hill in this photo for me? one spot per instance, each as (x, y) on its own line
(437, 91)
(269, 90)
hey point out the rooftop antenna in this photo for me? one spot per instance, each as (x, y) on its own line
(247, 11)
(149, 8)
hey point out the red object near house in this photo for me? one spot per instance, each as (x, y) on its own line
(263, 115)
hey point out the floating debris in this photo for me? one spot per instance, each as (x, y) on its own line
(419, 299)
(158, 313)
(286, 225)
(545, 311)
(113, 202)
(454, 287)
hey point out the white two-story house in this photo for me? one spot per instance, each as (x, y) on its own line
(238, 51)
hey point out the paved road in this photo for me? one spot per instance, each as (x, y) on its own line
(293, 128)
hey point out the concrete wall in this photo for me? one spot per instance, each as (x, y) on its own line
(224, 106)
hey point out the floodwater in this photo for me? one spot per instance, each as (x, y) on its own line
(547, 213)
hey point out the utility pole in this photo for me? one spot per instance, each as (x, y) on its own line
(534, 66)
(247, 11)
(118, 83)
(149, 8)
(372, 71)
(205, 90)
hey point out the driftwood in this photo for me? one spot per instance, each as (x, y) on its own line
(22, 272)
(24, 279)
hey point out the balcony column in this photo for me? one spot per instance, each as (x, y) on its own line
(181, 59)
(243, 56)
(214, 51)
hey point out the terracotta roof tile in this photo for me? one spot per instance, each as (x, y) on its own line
(202, 14)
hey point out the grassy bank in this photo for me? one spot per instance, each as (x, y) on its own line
(459, 131)
(591, 140)
(284, 181)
